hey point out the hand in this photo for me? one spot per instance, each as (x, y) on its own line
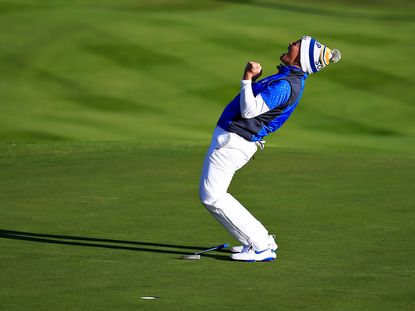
(252, 71)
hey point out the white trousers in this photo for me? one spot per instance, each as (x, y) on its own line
(228, 152)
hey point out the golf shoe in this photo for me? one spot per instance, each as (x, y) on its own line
(251, 255)
(244, 248)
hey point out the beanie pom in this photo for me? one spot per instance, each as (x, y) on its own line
(335, 56)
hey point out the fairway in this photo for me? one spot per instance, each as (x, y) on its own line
(107, 109)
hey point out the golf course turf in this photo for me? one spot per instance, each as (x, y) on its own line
(106, 113)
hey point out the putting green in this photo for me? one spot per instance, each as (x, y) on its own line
(97, 226)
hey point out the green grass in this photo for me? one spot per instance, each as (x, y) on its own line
(344, 224)
(106, 111)
(117, 70)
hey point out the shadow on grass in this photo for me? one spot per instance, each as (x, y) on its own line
(107, 243)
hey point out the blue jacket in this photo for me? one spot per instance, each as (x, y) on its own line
(281, 92)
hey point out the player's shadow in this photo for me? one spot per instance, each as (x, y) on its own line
(107, 243)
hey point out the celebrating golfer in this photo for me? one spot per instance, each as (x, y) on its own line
(258, 110)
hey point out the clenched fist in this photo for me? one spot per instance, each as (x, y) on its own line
(252, 71)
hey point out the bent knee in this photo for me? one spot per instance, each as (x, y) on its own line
(209, 195)
(207, 198)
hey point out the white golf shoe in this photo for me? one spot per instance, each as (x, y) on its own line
(240, 248)
(245, 248)
(251, 255)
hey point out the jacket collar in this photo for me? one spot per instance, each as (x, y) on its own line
(292, 70)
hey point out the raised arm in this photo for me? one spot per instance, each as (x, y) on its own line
(251, 105)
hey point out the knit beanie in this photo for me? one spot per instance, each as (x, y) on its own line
(314, 56)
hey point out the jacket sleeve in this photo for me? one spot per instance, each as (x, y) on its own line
(250, 105)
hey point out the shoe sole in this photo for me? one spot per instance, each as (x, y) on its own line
(263, 260)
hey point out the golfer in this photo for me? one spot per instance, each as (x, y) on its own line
(258, 110)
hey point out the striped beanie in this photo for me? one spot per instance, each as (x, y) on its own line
(314, 56)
